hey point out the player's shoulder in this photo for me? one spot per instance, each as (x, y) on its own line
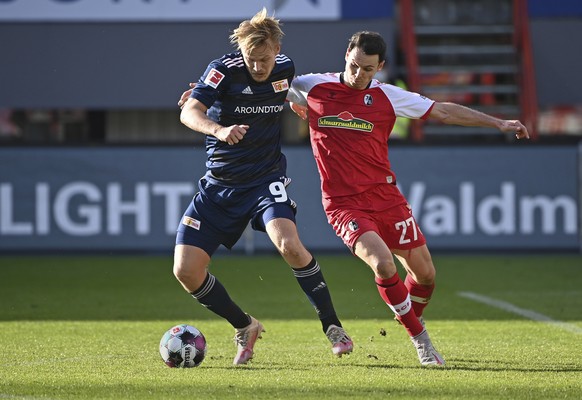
(320, 77)
(284, 66)
(230, 61)
(400, 96)
(389, 89)
(308, 81)
(282, 59)
(383, 85)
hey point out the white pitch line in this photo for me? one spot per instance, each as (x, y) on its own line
(529, 314)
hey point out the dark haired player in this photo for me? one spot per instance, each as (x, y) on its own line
(351, 116)
(237, 104)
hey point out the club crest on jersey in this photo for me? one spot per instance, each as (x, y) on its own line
(368, 100)
(345, 120)
(191, 222)
(280, 86)
(353, 225)
(214, 78)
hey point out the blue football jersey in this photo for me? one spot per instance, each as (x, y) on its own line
(234, 98)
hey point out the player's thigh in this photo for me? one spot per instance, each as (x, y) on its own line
(372, 249)
(418, 263)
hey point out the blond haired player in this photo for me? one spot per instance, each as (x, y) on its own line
(237, 104)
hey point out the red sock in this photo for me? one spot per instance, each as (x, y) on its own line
(419, 294)
(394, 293)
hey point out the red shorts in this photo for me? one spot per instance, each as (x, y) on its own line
(382, 209)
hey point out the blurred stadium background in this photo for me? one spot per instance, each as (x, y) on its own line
(93, 157)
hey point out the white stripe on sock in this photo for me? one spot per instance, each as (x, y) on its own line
(206, 289)
(306, 273)
(402, 308)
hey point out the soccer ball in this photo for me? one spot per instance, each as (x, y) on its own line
(183, 346)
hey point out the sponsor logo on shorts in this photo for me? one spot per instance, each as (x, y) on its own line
(353, 225)
(214, 78)
(191, 222)
(280, 86)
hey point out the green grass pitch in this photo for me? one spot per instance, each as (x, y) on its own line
(88, 327)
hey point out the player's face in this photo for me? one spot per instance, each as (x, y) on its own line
(260, 61)
(360, 68)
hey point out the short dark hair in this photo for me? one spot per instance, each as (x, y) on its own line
(370, 42)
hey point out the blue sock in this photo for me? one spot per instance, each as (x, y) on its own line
(311, 280)
(212, 295)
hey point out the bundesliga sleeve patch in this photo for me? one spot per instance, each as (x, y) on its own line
(281, 86)
(214, 78)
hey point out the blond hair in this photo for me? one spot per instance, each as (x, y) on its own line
(259, 30)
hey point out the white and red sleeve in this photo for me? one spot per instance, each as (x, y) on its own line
(407, 104)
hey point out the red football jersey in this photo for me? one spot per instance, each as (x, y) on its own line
(349, 129)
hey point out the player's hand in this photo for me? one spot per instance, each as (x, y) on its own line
(300, 110)
(232, 134)
(186, 95)
(514, 126)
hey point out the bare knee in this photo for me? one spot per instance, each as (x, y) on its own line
(423, 272)
(383, 268)
(418, 264)
(427, 276)
(292, 250)
(283, 234)
(424, 277)
(373, 251)
(183, 272)
(190, 267)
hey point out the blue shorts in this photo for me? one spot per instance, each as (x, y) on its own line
(219, 214)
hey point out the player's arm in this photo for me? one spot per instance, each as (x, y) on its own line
(297, 98)
(186, 95)
(299, 109)
(194, 116)
(455, 114)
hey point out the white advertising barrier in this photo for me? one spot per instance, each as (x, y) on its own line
(165, 10)
(118, 198)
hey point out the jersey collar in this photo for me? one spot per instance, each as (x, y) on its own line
(341, 77)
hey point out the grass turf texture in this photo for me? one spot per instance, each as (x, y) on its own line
(89, 327)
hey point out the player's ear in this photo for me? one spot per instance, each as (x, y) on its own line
(381, 65)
